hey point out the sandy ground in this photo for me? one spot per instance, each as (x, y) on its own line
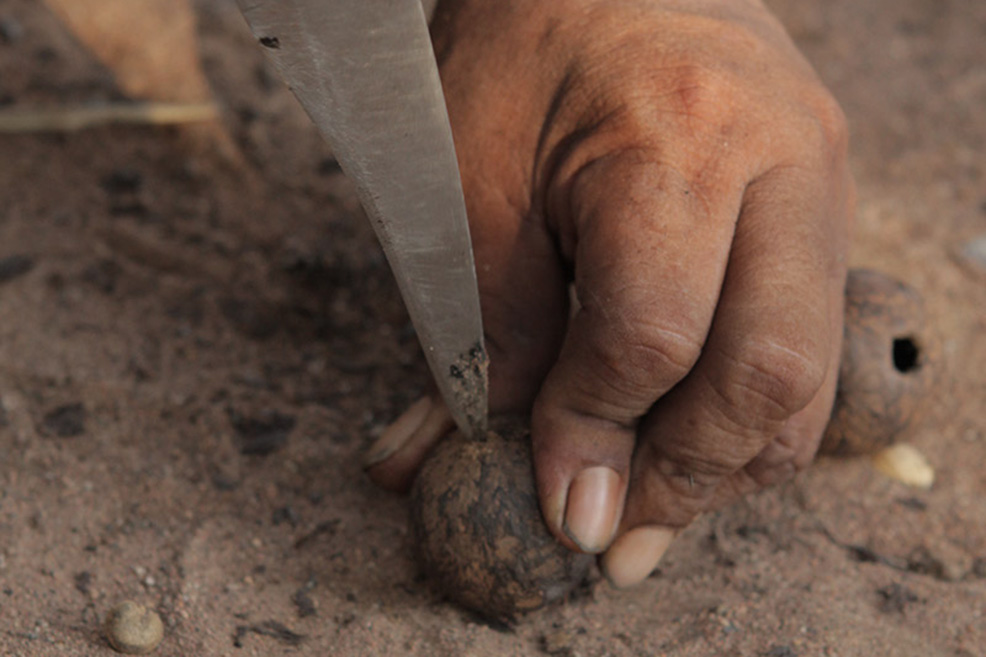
(193, 356)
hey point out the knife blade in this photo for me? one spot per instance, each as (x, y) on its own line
(365, 72)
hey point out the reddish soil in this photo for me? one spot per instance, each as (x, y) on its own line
(194, 351)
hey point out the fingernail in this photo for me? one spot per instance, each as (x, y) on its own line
(635, 555)
(590, 514)
(398, 433)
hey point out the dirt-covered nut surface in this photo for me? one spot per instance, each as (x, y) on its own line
(192, 359)
(890, 359)
(478, 530)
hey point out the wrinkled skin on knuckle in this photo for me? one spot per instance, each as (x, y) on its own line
(632, 354)
(767, 379)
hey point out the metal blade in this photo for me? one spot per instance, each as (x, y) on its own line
(365, 72)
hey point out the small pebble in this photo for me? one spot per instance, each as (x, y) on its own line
(133, 629)
(905, 464)
(67, 421)
(15, 265)
(262, 434)
(122, 181)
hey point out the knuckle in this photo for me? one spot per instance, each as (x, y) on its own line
(830, 127)
(831, 118)
(700, 92)
(771, 380)
(698, 99)
(642, 354)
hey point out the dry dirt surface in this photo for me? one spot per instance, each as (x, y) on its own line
(194, 352)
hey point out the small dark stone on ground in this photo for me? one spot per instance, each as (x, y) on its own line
(923, 562)
(122, 181)
(103, 275)
(285, 514)
(268, 628)
(262, 434)
(135, 208)
(66, 421)
(224, 481)
(895, 598)
(780, 651)
(83, 581)
(327, 527)
(250, 317)
(748, 532)
(303, 601)
(914, 503)
(14, 266)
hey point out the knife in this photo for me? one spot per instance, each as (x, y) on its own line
(365, 72)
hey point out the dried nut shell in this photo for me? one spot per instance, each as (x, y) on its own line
(133, 629)
(478, 528)
(905, 464)
(889, 363)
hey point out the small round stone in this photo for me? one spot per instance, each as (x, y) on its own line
(133, 629)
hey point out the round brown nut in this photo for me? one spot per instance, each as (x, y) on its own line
(889, 359)
(133, 629)
(478, 528)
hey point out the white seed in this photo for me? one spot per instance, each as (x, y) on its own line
(905, 464)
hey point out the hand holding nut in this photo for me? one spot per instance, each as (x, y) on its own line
(475, 516)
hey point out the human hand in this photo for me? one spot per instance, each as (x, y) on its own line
(680, 162)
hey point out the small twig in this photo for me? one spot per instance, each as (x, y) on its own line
(70, 119)
(327, 527)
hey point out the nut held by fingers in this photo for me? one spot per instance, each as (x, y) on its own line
(477, 528)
